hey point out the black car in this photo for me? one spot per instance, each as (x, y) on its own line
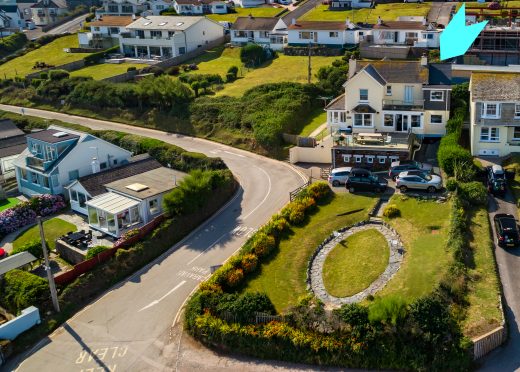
(507, 230)
(496, 180)
(364, 180)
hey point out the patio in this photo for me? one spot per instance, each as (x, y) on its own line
(372, 140)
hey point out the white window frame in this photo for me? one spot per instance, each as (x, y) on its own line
(393, 158)
(393, 120)
(363, 121)
(388, 90)
(370, 159)
(360, 96)
(156, 209)
(487, 137)
(514, 137)
(381, 159)
(484, 112)
(358, 159)
(333, 34)
(431, 119)
(310, 33)
(346, 158)
(517, 110)
(410, 121)
(432, 92)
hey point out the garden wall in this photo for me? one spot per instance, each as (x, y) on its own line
(27, 319)
(195, 53)
(490, 341)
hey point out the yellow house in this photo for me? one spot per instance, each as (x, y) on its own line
(494, 113)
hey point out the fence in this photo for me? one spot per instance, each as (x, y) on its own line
(258, 318)
(121, 78)
(488, 342)
(293, 194)
(104, 256)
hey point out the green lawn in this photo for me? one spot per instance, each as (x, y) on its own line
(474, 4)
(283, 68)
(218, 61)
(283, 277)
(105, 70)
(355, 263)
(268, 11)
(52, 54)
(8, 203)
(53, 228)
(388, 12)
(423, 228)
(483, 313)
(319, 118)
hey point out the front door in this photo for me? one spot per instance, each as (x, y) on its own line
(401, 123)
(408, 94)
(396, 37)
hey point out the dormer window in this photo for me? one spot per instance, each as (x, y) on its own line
(363, 94)
(490, 110)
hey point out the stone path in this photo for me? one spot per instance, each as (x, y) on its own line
(394, 262)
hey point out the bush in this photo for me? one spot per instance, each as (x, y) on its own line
(473, 192)
(173, 71)
(451, 184)
(58, 75)
(319, 190)
(34, 247)
(253, 55)
(131, 68)
(21, 289)
(245, 306)
(95, 58)
(234, 277)
(391, 211)
(297, 214)
(94, 251)
(249, 263)
(387, 310)
(262, 244)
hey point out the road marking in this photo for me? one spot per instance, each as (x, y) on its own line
(232, 153)
(153, 303)
(266, 195)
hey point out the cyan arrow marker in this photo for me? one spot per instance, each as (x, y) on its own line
(457, 37)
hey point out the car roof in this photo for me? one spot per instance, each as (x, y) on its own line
(507, 221)
(497, 169)
(341, 169)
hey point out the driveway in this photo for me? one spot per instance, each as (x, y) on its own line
(300, 11)
(440, 13)
(128, 327)
(507, 357)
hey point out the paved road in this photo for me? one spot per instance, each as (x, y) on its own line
(128, 328)
(300, 11)
(71, 26)
(507, 358)
(440, 13)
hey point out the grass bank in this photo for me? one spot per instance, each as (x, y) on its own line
(105, 70)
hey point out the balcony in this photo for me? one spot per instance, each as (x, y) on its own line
(396, 141)
(37, 163)
(397, 105)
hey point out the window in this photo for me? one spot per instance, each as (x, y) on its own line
(97, 29)
(490, 110)
(370, 159)
(114, 161)
(382, 159)
(134, 215)
(393, 158)
(171, 33)
(411, 35)
(264, 34)
(517, 111)
(154, 206)
(489, 134)
(81, 199)
(388, 90)
(363, 94)
(346, 158)
(23, 173)
(103, 165)
(73, 175)
(362, 120)
(34, 178)
(358, 158)
(436, 95)
(45, 182)
(436, 119)
(113, 9)
(333, 34)
(416, 121)
(306, 35)
(127, 9)
(516, 134)
(73, 195)
(182, 50)
(430, 36)
(93, 216)
(388, 120)
(156, 34)
(342, 117)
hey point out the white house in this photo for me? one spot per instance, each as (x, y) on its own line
(157, 6)
(105, 31)
(12, 144)
(494, 113)
(123, 7)
(132, 201)
(349, 4)
(251, 3)
(56, 157)
(330, 34)
(199, 7)
(268, 31)
(168, 36)
(419, 34)
(11, 16)
(46, 12)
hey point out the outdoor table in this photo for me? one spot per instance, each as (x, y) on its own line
(370, 137)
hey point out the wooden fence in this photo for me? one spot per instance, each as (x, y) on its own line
(258, 318)
(293, 194)
(87, 265)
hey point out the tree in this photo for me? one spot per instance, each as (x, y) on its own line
(233, 71)
(252, 54)
(195, 86)
(204, 84)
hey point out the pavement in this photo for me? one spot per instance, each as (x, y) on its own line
(70, 26)
(300, 10)
(128, 327)
(440, 13)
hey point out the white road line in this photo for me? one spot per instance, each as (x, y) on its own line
(232, 153)
(155, 302)
(265, 198)
(211, 246)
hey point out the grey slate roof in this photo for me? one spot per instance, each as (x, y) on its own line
(439, 74)
(255, 23)
(337, 103)
(95, 183)
(48, 136)
(9, 129)
(398, 71)
(495, 86)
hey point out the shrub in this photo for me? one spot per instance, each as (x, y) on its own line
(249, 263)
(245, 306)
(34, 247)
(234, 277)
(319, 190)
(297, 214)
(473, 192)
(230, 78)
(263, 244)
(94, 58)
(94, 251)
(131, 68)
(451, 184)
(44, 75)
(387, 310)
(58, 75)
(391, 211)
(253, 55)
(21, 289)
(173, 71)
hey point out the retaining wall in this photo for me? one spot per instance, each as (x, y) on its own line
(27, 319)
(486, 343)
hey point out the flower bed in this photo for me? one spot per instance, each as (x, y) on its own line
(25, 213)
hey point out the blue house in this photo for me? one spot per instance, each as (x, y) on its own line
(56, 157)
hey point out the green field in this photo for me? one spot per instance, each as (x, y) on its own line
(268, 11)
(319, 118)
(388, 12)
(283, 277)
(283, 68)
(105, 70)
(218, 61)
(8, 203)
(423, 228)
(51, 54)
(53, 228)
(355, 263)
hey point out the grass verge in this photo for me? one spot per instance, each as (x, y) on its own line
(355, 263)
(8, 203)
(53, 228)
(319, 118)
(283, 277)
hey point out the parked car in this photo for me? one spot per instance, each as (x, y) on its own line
(364, 180)
(338, 176)
(413, 1)
(430, 183)
(496, 180)
(405, 165)
(507, 230)
(3, 253)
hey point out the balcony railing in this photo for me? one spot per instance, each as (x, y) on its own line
(388, 140)
(34, 162)
(392, 104)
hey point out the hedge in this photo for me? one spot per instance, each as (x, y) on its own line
(451, 155)
(21, 289)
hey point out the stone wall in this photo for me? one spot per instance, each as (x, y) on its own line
(315, 51)
(69, 253)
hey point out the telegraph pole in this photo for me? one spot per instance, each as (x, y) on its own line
(50, 277)
(310, 69)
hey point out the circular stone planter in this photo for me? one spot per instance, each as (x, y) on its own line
(318, 260)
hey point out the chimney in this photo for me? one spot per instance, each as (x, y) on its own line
(133, 17)
(293, 21)
(424, 21)
(424, 60)
(352, 64)
(95, 165)
(347, 23)
(379, 20)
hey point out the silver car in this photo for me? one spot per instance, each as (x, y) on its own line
(338, 176)
(430, 183)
